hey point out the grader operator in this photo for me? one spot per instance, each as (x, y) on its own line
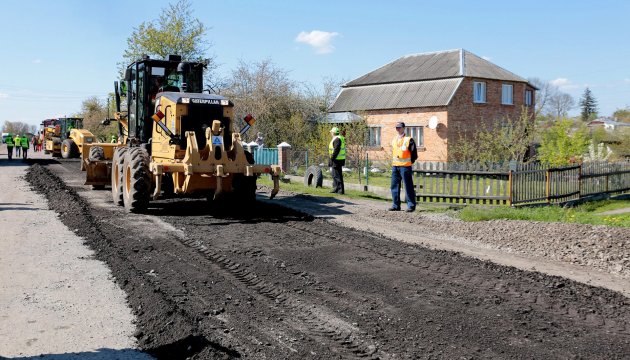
(173, 139)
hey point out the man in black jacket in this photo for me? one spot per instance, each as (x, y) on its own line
(337, 153)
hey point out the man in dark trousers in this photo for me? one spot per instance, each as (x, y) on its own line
(404, 154)
(337, 153)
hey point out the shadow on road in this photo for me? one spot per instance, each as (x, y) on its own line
(100, 354)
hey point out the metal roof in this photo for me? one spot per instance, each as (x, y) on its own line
(340, 118)
(396, 96)
(435, 65)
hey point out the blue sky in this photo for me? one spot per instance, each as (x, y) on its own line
(57, 53)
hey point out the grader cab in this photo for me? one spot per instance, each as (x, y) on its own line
(175, 139)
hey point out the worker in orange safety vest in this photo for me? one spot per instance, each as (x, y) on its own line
(404, 154)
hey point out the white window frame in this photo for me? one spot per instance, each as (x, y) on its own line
(374, 136)
(507, 94)
(417, 133)
(479, 92)
(529, 97)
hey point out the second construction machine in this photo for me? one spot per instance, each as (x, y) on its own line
(173, 139)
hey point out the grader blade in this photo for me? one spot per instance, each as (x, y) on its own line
(98, 173)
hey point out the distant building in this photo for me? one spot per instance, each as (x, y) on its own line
(458, 89)
(607, 123)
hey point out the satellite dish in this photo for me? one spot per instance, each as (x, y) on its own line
(433, 122)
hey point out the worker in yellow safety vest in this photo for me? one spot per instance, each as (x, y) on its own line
(24, 143)
(10, 143)
(404, 154)
(18, 144)
(337, 154)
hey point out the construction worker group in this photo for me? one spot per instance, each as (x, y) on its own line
(17, 143)
(404, 154)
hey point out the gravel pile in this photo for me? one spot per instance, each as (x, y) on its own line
(602, 247)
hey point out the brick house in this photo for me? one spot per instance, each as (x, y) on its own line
(461, 90)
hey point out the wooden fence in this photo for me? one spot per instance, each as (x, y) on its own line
(512, 184)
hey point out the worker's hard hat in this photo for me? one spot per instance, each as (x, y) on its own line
(335, 130)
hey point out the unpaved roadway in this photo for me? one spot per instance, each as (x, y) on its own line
(273, 283)
(56, 300)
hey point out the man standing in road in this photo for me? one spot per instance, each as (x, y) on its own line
(337, 153)
(24, 143)
(18, 144)
(404, 154)
(10, 143)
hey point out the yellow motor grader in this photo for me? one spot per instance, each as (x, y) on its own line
(173, 139)
(64, 137)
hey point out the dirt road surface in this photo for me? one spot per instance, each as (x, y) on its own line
(205, 282)
(55, 299)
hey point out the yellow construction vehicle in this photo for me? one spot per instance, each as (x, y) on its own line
(63, 137)
(173, 139)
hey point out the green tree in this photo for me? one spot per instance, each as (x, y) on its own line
(561, 143)
(622, 115)
(502, 140)
(176, 31)
(588, 105)
(93, 111)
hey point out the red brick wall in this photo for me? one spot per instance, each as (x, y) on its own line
(435, 142)
(461, 116)
(465, 116)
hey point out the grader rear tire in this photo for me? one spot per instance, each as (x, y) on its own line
(96, 153)
(69, 149)
(136, 180)
(117, 175)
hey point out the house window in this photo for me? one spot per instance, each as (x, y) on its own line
(506, 95)
(529, 97)
(374, 136)
(479, 92)
(417, 133)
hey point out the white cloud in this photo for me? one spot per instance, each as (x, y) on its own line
(37, 61)
(3, 96)
(565, 84)
(626, 80)
(319, 40)
(560, 82)
(488, 58)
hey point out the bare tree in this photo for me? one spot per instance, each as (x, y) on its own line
(560, 103)
(543, 95)
(18, 127)
(284, 110)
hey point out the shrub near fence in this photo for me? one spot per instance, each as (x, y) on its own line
(511, 184)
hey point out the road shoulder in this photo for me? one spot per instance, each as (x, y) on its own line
(54, 297)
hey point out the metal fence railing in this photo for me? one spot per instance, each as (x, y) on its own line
(266, 156)
(511, 184)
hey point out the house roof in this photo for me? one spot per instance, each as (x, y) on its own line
(340, 118)
(397, 95)
(435, 65)
(419, 80)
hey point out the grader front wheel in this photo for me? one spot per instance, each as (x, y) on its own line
(136, 180)
(117, 175)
